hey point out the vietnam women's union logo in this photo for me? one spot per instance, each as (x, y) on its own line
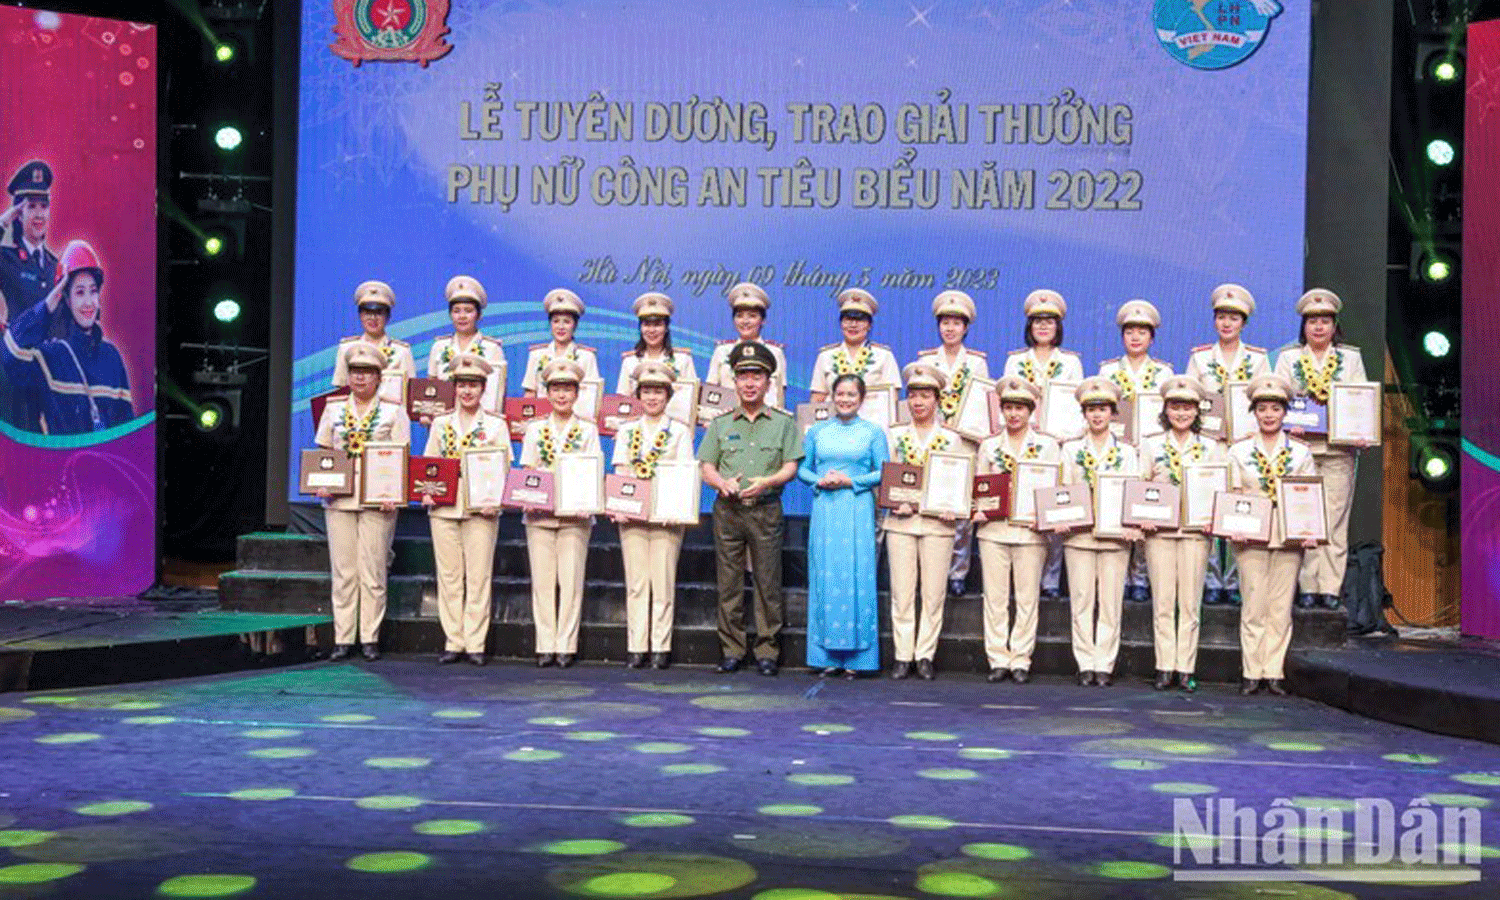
(391, 30)
(1213, 34)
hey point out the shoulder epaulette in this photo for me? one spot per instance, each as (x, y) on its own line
(1115, 361)
(625, 353)
(979, 353)
(348, 339)
(1254, 349)
(542, 346)
(1202, 347)
(1069, 352)
(586, 348)
(1018, 352)
(728, 341)
(1349, 347)
(833, 346)
(928, 352)
(492, 340)
(880, 346)
(399, 343)
(1291, 440)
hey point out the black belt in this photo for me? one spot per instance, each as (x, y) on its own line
(750, 502)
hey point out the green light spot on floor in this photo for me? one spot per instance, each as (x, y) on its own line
(69, 737)
(582, 847)
(795, 894)
(789, 809)
(531, 754)
(1131, 869)
(590, 735)
(136, 705)
(389, 801)
(448, 827)
(281, 752)
(37, 873)
(56, 699)
(1464, 800)
(1187, 748)
(1478, 779)
(656, 820)
(263, 794)
(23, 838)
(1136, 765)
(722, 732)
(557, 721)
(270, 734)
(112, 808)
(1186, 788)
(149, 720)
(984, 753)
(819, 779)
(948, 774)
(755, 703)
(957, 884)
(1340, 804)
(346, 718)
(1420, 759)
(930, 736)
(205, 886)
(627, 884)
(1295, 747)
(932, 823)
(1007, 852)
(458, 714)
(389, 863)
(11, 714)
(692, 769)
(398, 762)
(828, 728)
(655, 747)
(1186, 842)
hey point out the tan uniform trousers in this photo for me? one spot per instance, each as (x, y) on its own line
(1096, 581)
(914, 557)
(465, 553)
(1267, 580)
(359, 550)
(1008, 643)
(558, 555)
(1323, 568)
(1177, 566)
(650, 553)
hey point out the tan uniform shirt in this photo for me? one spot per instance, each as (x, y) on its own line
(451, 435)
(344, 421)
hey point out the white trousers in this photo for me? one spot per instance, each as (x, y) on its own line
(1008, 643)
(558, 556)
(913, 558)
(1267, 579)
(650, 553)
(1096, 583)
(465, 553)
(1177, 567)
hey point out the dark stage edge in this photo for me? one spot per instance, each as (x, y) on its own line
(405, 779)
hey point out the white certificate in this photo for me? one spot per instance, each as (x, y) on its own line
(1062, 417)
(675, 490)
(947, 484)
(1199, 485)
(393, 388)
(1354, 413)
(879, 406)
(383, 474)
(973, 418)
(1304, 515)
(579, 484)
(1109, 506)
(1146, 417)
(1240, 420)
(1029, 478)
(683, 406)
(590, 395)
(484, 470)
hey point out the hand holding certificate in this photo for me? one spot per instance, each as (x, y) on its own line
(1354, 414)
(900, 485)
(383, 475)
(1304, 517)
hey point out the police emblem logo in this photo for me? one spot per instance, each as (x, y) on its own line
(533, 481)
(1213, 34)
(431, 391)
(908, 478)
(325, 463)
(432, 471)
(391, 30)
(982, 488)
(627, 490)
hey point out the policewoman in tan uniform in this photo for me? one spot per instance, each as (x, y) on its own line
(1312, 370)
(748, 304)
(650, 550)
(917, 546)
(654, 313)
(1010, 555)
(557, 547)
(359, 539)
(375, 300)
(466, 302)
(463, 538)
(564, 308)
(856, 354)
(1096, 565)
(1176, 558)
(1268, 573)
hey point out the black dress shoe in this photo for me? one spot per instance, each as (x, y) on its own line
(901, 670)
(1186, 682)
(564, 660)
(1234, 598)
(766, 666)
(1306, 601)
(341, 651)
(1276, 686)
(997, 675)
(831, 672)
(477, 659)
(1249, 686)
(635, 660)
(1085, 679)
(660, 660)
(1331, 601)
(924, 670)
(955, 587)
(1021, 676)
(1103, 679)
(1163, 680)
(729, 664)
(370, 651)
(449, 657)
(543, 660)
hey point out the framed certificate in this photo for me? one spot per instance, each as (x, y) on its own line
(1307, 414)
(1061, 416)
(1354, 413)
(1154, 504)
(520, 411)
(428, 398)
(879, 406)
(318, 402)
(529, 489)
(1067, 507)
(900, 484)
(383, 475)
(1109, 506)
(714, 401)
(393, 388)
(1200, 484)
(1028, 479)
(326, 470)
(579, 486)
(1145, 418)
(903, 413)
(992, 495)
(947, 484)
(626, 496)
(683, 405)
(810, 414)
(590, 395)
(973, 419)
(1211, 417)
(614, 410)
(1237, 415)
(1242, 517)
(675, 492)
(1304, 517)
(484, 472)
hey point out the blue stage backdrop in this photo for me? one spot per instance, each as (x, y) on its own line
(1108, 149)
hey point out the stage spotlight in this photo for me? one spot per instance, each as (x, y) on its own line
(213, 244)
(227, 310)
(1437, 464)
(1445, 70)
(215, 400)
(1436, 344)
(228, 138)
(225, 52)
(1436, 268)
(1439, 61)
(1440, 152)
(210, 417)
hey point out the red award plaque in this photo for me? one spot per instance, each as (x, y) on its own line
(432, 476)
(992, 495)
(614, 411)
(519, 411)
(529, 489)
(428, 398)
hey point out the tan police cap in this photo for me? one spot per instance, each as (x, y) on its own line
(362, 355)
(857, 300)
(375, 293)
(562, 300)
(653, 305)
(468, 366)
(1138, 312)
(462, 287)
(1183, 387)
(1015, 389)
(923, 375)
(1270, 386)
(654, 373)
(1097, 389)
(1045, 302)
(953, 303)
(1233, 298)
(749, 295)
(1319, 302)
(562, 371)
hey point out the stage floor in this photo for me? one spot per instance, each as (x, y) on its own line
(404, 779)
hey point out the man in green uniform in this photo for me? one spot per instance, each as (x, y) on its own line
(747, 455)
